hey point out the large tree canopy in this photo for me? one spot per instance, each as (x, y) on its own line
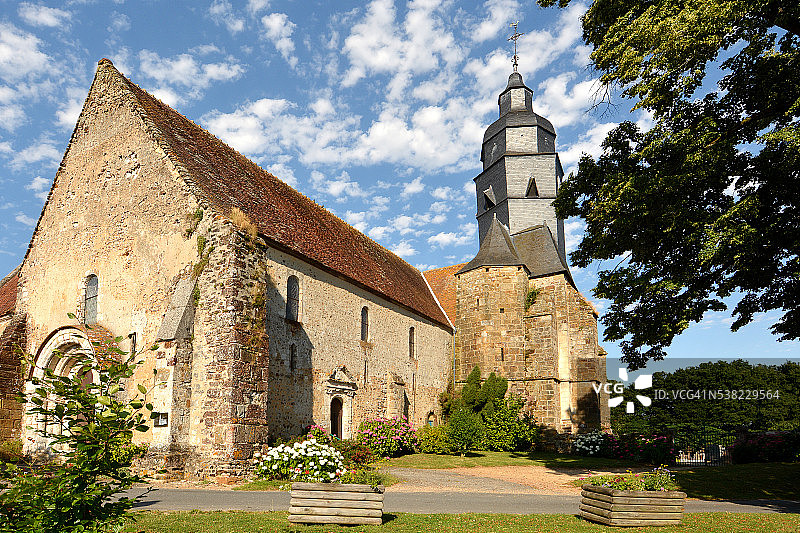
(706, 204)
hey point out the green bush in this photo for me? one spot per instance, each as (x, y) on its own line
(387, 437)
(434, 439)
(505, 430)
(11, 451)
(464, 430)
(88, 428)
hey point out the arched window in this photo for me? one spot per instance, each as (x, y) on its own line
(364, 324)
(431, 421)
(292, 298)
(90, 302)
(411, 348)
(292, 357)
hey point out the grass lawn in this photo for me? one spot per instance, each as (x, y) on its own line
(776, 481)
(551, 460)
(244, 522)
(756, 481)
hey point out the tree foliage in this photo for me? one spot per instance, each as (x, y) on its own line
(88, 425)
(705, 204)
(767, 412)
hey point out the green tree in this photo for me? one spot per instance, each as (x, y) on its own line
(704, 205)
(88, 424)
(483, 397)
(686, 415)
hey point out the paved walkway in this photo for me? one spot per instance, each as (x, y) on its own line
(422, 502)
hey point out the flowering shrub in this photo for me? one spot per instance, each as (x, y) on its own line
(653, 449)
(354, 453)
(765, 447)
(319, 434)
(659, 479)
(590, 444)
(387, 437)
(303, 461)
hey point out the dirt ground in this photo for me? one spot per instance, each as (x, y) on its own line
(495, 479)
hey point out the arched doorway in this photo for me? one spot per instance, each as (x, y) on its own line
(337, 417)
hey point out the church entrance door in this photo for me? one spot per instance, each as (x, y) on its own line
(336, 417)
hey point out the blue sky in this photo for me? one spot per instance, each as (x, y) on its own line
(375, 110)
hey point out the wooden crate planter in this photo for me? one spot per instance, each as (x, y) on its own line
(614, 507)
(336, 503)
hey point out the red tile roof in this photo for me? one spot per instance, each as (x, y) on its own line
(443, 282)
(8, 293)
(284, 217)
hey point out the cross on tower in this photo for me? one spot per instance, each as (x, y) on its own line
(517, 35)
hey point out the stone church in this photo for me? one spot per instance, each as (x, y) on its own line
(270, 313)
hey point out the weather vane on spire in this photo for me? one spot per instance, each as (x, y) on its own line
(517, 35)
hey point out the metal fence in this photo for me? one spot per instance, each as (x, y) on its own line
(705, 447)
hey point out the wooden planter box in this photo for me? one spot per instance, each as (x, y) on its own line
(614, 507)
(336, 503)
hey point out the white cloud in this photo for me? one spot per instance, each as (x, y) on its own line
(19, 53)
(284, 173)
(69, 111)
(11, 116)
(573, 233)
(322, 107)
(588, 143)
(119, 22)
(418, 44)
(379, 232)
(254, 6)
(278, 29)
(498, 19)
(185, 71)
(465, 235)
(222, 13)
(404, 249)
(565, 106)
(43, 151)
(39, 15)
(22, 218)
(339, 187)
(413, 187)
(38, 184)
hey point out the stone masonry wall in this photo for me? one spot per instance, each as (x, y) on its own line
(327, 337)
(553, 356)
(12, 335)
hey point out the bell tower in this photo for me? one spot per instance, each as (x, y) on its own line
(521, 170)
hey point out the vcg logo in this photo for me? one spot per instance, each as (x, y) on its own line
(645, 381)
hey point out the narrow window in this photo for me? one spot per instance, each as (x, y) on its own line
(364, 324)
(411, 353)
(292, 357)
(502, 354)
(90, 303)
(292, 298)
(160, 420)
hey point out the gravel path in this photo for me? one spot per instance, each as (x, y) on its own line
(496, 480)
